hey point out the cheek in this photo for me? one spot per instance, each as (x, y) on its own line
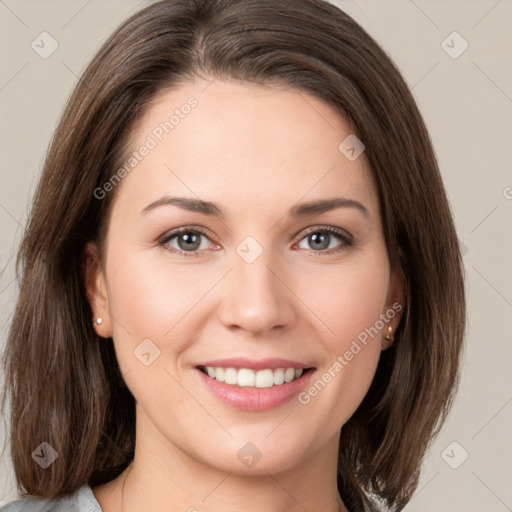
(348, 298)
(147, 301)
(154, 301)
(152, 296)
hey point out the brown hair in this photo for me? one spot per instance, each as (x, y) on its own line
(65, 385)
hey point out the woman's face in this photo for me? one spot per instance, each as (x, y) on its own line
(258, 275)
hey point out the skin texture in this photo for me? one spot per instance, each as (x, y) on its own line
(256, 151)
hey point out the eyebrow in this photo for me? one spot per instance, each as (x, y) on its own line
(299, 210)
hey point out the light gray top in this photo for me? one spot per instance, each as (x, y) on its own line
(82, 500)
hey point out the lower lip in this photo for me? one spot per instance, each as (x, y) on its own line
(255, 399)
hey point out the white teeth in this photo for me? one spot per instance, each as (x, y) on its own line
(245, 377)
(219, 374)
(289, 374)
(264, 379)
(230, 375)
(279, 376)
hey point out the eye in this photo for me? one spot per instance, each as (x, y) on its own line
(188, 241)
(321, 238)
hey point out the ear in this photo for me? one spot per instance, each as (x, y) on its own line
(96, 290)
(395, 303)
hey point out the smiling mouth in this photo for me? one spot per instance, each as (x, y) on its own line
(246, 377)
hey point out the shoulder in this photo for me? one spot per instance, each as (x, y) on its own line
(82, 500)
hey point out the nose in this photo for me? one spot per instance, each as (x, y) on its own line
(256, 297)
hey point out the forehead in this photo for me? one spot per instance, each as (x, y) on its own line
(245, 145)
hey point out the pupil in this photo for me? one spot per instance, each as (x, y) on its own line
(191, 241)
(315, 238)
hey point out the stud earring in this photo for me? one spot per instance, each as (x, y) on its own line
(389, 335)
(99, 320)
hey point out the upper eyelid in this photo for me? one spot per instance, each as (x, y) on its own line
(184, 229)
(334, 230)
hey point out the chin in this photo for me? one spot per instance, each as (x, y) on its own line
(256, 457)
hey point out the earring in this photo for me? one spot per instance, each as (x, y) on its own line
(99, 320)
(389, 335)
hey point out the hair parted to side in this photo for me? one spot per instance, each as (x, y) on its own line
(63, 381)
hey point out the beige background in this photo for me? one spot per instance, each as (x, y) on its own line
(467, 104)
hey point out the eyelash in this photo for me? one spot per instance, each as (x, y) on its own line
(347, 241)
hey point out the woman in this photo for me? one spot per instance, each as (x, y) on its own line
(179, 341)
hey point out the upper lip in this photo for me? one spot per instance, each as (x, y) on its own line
(260, 364)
